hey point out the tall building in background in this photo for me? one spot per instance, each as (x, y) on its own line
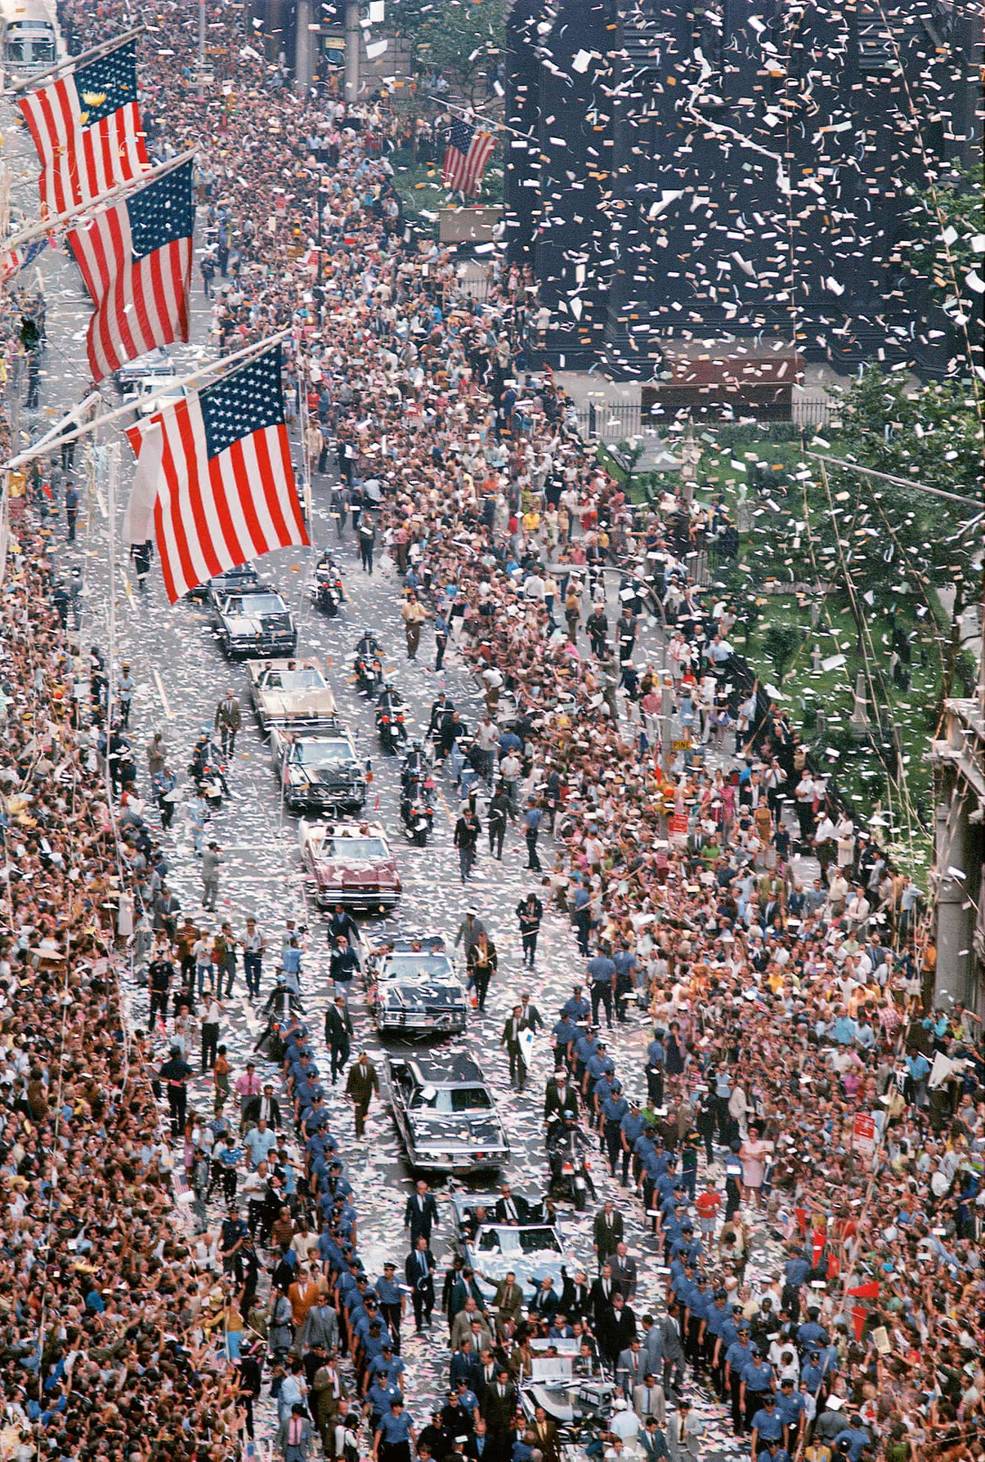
(734, 168)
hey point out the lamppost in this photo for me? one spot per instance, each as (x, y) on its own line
(320, 157)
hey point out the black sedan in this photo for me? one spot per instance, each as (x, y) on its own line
(446, 1116)
(255, 623)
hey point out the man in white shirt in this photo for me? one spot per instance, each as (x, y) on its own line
(625, 1424)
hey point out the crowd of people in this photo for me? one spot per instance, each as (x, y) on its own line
(784, 1008)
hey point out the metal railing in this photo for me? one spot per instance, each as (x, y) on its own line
(623, 420)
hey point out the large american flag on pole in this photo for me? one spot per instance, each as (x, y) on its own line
(136, 260)
(466, 156)
(217, 468)
(86, 127)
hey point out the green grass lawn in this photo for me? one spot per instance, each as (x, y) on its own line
(419, 185)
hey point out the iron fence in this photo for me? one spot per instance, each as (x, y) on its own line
(623, 420)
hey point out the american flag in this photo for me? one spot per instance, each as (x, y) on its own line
(86, 127)
(12, 260)
(466, 156)
(136, 260)
(217, 467)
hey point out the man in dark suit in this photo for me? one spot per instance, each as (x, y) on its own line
(624, 1271)
(545, 1303)
(421, 1212)
(652, 1442)
(575, 1297)
(265, 1105)
(419, 1274)
(607, 1230)
(511, 1038)
(464, 1366)
(560, 1097)
(510, 1207)
(478, 1448)
(338, 1035)
(600, 1296)
(545, 1432)
(498, 1406)
(361, 1084)
(617, 1329)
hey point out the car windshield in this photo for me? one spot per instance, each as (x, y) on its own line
(321, 753)
(355, 850)
(418, 966)
(458, 1099)
(305, 678)
(537, 1240)
(255, 604)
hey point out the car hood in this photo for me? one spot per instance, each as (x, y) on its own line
(357, 873)
(342, 771)
(253, 624)
(425, 993)
(442, 1131)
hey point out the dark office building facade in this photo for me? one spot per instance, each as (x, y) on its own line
(734, 168)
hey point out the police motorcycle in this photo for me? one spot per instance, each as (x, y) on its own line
(327, 593)
(367, 664)
(391, 719)
(417, 795)
(570, 1169)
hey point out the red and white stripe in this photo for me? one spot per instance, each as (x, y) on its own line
(211, 514)
(77, 162)
(463, 171)
(140, 303)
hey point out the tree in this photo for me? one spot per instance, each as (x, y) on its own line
(781, 642)
(904, 548)
(948, 221)
(461, 39)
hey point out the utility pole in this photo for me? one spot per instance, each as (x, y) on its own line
(353, 44)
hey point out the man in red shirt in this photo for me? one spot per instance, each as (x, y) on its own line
(707, 1204)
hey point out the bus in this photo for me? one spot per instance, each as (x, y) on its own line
(28, 40)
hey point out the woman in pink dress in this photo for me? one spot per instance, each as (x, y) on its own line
(753, 1154)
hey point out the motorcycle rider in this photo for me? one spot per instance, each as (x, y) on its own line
(368, 646)
(566, 1142)
(416, 764)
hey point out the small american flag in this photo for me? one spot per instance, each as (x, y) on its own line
(86, 127)
(466, 156)
(13, 260)
(136, 260)
(217, 468)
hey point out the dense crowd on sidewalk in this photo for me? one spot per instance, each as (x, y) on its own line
(783, 1010)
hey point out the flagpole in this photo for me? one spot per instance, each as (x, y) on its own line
(104, 48)
(146, 404)
(77, 412)
(489, 121)
(47, 225)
